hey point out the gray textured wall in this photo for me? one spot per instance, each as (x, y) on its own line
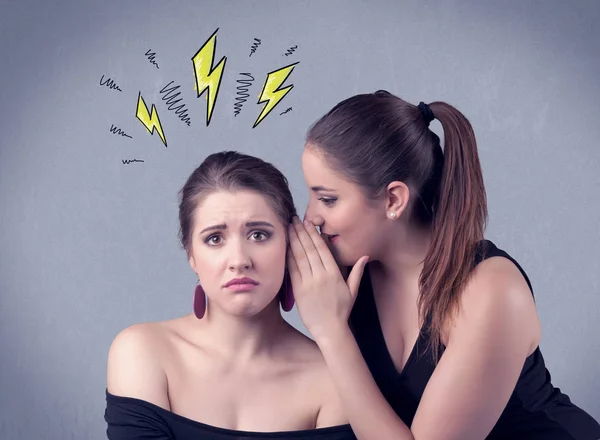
(88, 245)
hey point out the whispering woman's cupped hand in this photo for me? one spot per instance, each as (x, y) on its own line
(324, 299)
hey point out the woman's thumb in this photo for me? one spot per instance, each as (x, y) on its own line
(355, 276)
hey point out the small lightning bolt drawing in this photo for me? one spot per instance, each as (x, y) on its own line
(271, 93)
(150, 120)
(207, 77)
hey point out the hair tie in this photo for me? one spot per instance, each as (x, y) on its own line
(428, 115)
(379, 93)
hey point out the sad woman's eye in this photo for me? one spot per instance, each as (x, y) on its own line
(259, 236)
(213, 240)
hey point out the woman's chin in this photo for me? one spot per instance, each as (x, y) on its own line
(347, 260)
(249, 308)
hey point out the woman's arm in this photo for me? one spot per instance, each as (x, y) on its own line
(495, 330)
(370, 415)
(332, 411)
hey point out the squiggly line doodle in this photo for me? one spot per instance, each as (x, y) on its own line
(254, 46)
(116, 130)
(170, 99)
(108, 82)
(208, 68)
(242, 92)
(151, 56)
(291, 50)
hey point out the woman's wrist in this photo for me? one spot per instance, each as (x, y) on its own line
(334, 336)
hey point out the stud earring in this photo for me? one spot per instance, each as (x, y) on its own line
(392, 215)
(199, 302)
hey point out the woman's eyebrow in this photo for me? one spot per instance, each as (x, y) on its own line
(259, 223)
(248, 224)
(321, 188)
(214, 228)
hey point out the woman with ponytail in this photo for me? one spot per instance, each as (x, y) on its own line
(434, 332)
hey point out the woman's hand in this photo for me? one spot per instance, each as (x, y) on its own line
(324, 299)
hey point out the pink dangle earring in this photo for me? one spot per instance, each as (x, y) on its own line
(199, 301)
(286, 294)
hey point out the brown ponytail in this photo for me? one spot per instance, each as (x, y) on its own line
(458, 222)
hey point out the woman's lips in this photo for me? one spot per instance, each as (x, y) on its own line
(331, 238)
(241, 284)
(241, 287)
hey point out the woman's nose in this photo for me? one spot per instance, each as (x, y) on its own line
(313, 215)
(240, 265)
(239, 257)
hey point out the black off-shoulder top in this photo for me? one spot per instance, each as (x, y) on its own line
(135, 419)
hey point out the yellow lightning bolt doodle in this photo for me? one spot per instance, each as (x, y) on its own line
(150, 120)
(208, 77)
(271, 94)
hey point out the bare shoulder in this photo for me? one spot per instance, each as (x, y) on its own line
(318, 380)
(497, 295)
(135, 363)
(302, 352)
(498, 282)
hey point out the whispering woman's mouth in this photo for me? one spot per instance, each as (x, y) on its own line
(331, 238)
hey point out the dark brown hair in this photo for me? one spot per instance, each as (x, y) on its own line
(230, 170)
(375, 139)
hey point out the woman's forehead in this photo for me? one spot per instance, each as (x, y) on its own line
(234, 206)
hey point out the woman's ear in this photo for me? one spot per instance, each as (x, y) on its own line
(192, 262)
(397, 197)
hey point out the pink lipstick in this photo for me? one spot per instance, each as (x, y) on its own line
(241, 284)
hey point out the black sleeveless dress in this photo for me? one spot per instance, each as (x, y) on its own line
(536, 410)
(136, 419)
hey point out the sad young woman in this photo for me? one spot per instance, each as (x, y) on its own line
(234, 368)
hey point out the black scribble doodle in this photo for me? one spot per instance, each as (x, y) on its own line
(242, 92)
(291, 50)
(115, 130)
(110, 84)
(287, 110)
(151, 56)
(171, 100)
(126, 161)
(254, 46)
